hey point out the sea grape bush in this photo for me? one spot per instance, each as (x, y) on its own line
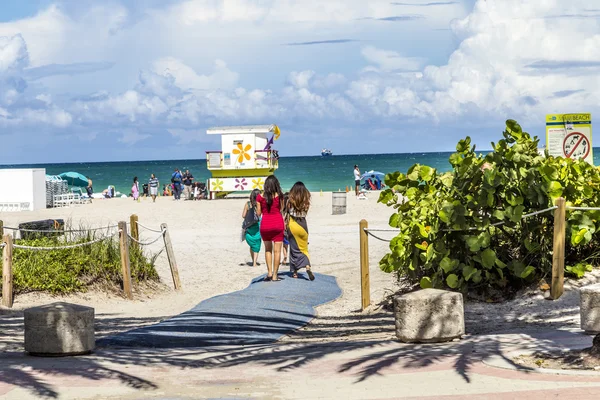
(464, 229)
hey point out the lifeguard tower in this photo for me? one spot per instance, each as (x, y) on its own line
(246, 158)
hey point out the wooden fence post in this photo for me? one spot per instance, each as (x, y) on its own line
(1, 228)
(171, 257)
(125, 259)
(135, 233)
(558, 250)
(7, 277)
(365, 286)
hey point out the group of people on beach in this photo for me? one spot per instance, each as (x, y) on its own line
(181, 183)
(278, 220)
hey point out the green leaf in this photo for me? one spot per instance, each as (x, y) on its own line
(452, 281)
(425, 283)
(498, 214)
(447, 179)
(555, 189)
(423, 231)
(527, 271)
(426, 173)
(385, 197)
(469, 271)
(488, 258)
(413, 173)
(445, 215)
(549, 172)
(484, 239)
(473, 243)
(456, 159)
(578, 236)
(447, 265)
(394, 220)
(513, 127)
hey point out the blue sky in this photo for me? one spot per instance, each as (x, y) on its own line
(143, 79)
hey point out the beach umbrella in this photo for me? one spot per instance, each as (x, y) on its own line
(367, 175)
(74, 178)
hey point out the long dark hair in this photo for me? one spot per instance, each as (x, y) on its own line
(299, 198)
(134, 179)
(272, 188)
(253, 195)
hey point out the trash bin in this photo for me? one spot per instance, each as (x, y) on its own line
(338, 203)
(47, 228)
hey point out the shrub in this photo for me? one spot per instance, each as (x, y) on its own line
(464, 229)
(64, 271)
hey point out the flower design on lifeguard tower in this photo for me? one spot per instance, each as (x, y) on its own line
(242, 152)
(241, 183)
(257, 184)
(217, 184)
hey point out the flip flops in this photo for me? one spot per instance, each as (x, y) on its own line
(311, 276)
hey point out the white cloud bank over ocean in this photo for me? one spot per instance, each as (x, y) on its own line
(107, 81)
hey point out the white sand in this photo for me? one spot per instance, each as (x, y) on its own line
(212, 259)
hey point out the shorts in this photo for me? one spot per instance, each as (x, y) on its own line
(153, 191)
(357, 182)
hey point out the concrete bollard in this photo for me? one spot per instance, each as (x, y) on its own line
(59, 329)
(429, 316)
(589, 302)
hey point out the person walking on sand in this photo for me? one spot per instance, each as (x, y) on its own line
(135, 189)
(297, 229)
(271, 227)
(153, 183)
(356, 180)
(176, 180)
(89, 189)
(286, 243)
(251, 226)
(187, 185)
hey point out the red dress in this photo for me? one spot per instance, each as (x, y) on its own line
(271, 226)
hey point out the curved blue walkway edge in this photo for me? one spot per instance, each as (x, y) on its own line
(261, 313)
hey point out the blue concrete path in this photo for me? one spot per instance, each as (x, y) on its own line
(261, 313)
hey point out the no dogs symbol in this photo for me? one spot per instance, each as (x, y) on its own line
(576, 145)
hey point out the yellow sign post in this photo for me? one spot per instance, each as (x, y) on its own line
(570, 136)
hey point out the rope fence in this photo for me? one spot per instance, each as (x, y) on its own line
(524, 216)
(60, 230)
(558, 250)
(7, 245)
(50, 248)
(160, 236)
(149, 229)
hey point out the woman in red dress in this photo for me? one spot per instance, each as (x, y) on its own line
(271, 227)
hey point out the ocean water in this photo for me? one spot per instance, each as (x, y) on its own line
(318, 173)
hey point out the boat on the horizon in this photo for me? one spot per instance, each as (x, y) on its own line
(326, 152)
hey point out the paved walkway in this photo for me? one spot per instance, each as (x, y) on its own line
(341, 370)
(261, 313)
(186, 359)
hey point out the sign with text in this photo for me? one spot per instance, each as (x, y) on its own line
(570, 136)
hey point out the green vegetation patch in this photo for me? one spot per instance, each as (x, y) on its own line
(464, 229)
(64, 271)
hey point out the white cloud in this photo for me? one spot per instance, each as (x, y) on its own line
(512, 59)
(13, 54)
(300, 79)
(186, 78)
(131, 137)
(388, 60)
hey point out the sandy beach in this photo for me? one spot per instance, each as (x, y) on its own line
(212, 259)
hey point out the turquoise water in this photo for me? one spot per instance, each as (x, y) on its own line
(317, 173)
